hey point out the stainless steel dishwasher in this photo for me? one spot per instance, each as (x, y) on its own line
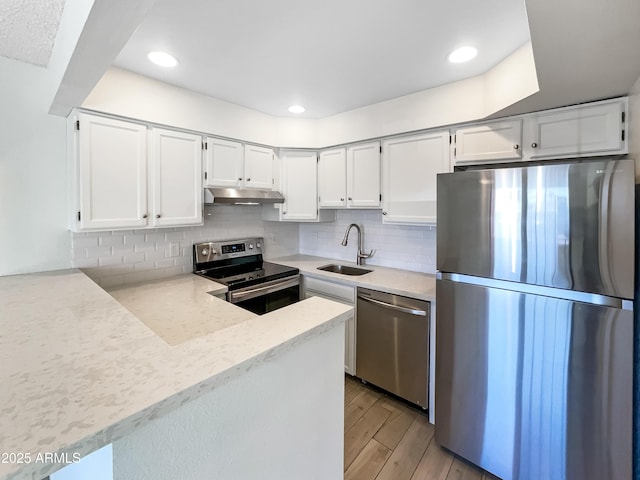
(392, 344)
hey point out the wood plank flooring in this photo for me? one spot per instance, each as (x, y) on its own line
(385, 439)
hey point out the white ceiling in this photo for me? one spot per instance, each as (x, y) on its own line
(28, 29)
(329, 56)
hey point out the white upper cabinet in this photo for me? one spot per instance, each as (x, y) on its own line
(177, 178)
(124, 175)
(585, 130)
(110, 171)
(350, 177)
(409, 168)
(258, 167)
(296, 177)
(496, 141)
(363, 175)
(299, 185)
(234, 165)
(223, 164)
(332, 178)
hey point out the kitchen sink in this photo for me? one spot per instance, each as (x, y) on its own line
(344, 269)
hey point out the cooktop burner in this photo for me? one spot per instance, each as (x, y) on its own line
(250, 274)
(237, 263)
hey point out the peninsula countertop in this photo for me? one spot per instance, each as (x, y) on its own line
(79, 370)
(391, 280)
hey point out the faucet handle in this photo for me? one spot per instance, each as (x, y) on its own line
(366, 255)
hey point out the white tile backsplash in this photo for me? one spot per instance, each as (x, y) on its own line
(130, 256)
(397, 246)
(122, 257)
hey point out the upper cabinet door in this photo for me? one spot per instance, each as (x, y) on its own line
(363, 175)
(177, 178)
(223, 166)
(258, 167)
(494, 141)
(578, 131)
(112, 173)
(332, 181)
(299, 185)
(409, 169)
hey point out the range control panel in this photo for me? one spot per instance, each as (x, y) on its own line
(212, 251)
(234, 248)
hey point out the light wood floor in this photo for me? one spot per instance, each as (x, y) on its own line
(386, 439)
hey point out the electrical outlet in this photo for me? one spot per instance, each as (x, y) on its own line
(174, 250)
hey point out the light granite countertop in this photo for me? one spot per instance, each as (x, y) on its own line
(178, 309)
(79, 370)
(391, 280)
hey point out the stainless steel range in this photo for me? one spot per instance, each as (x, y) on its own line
(253, 284)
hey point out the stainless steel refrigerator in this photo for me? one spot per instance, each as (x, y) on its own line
(534, 319)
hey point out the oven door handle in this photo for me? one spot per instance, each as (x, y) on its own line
(274, 286)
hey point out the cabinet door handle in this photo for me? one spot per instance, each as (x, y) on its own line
(158, 215)
(350, 198)
(516, 146)
(248, 179)
(384, 213)
(342, 199)
(144, 216)
(240, 179)
(534, 145)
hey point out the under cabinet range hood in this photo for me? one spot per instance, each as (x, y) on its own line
(241, 196)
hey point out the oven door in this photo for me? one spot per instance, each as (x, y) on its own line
(268, 296)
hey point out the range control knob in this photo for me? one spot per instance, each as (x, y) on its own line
(204, 252)
(258, 245)
(251, 246)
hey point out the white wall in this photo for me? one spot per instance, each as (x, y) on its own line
(634, 126)
(397, 246)
(128, 94)
(33, 158)
(33, 173)
(281, 420)
(129, 256)
(124, 93)
(511, 80)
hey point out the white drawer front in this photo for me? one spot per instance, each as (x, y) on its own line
(329, 289)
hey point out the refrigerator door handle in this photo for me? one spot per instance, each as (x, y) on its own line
(584, 297)
(411, 311)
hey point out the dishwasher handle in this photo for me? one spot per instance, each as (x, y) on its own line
(390, 306)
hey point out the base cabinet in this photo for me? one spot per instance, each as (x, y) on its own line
(314, 287)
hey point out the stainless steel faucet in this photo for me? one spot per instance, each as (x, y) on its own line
(360, 255)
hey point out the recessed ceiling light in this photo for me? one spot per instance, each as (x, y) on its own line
(462, 54)
(163, 59)
(296, 109)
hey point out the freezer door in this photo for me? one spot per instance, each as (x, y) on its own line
(568, 225)
(533, 387)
